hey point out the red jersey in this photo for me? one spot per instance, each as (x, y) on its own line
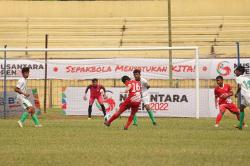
(135, 90)
(95, 91)
(219, 91)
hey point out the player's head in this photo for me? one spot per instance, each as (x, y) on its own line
(137, 74)
(219, 80)
(25, 72)
(125, 79)
(240, 70)
(94, 81)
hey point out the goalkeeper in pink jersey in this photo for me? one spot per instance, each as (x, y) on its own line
(95, 93)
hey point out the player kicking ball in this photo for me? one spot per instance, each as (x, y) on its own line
(133, 101)
(22, 97)
(223, 93)
(145, 96)
(95, 93)
(243, 87)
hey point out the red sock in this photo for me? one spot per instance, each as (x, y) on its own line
(238, 116)
(130, 119)
(219, 117)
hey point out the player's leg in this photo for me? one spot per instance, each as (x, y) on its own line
(91, 101)
(100, 101)
(31, 110)
(135, 120)
(134, 109)
(234, 110)
(151, 114)
(242, 113)
(25, 114)
(222, 109)
(122, 108)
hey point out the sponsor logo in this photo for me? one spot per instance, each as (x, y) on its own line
(223, 68)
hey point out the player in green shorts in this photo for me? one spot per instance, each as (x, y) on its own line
(145, 96)
(22, 96)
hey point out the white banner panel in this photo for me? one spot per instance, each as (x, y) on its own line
(14, 107)
(164, 102)
(116, 68)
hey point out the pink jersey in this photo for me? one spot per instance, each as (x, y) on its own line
(219, 91)
(95, 91)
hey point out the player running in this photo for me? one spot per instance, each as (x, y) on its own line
(145, 96)
(95, 93)
(223, 93)
(243, 87)
(133, 101)
(22, 97)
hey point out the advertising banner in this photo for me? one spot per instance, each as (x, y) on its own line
(14, 107)
(165, 102)
(117, 67)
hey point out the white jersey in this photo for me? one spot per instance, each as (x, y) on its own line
(144, 85)
(22, 85)
(244, 82)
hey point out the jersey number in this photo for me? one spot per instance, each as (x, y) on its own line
(136, 87)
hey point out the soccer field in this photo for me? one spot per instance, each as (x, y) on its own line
(78, 141)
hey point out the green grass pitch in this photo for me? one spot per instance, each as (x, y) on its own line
(64, 141)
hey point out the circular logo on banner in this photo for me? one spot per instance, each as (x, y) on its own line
(223, 68)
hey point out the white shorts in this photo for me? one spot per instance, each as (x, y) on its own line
(25, 103)
(245, 101)
(145, 99)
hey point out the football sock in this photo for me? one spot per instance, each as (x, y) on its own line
(135, 120)
(151, 116)
(90, 111)
(130, 119)
(103, 110)
(219, 117)
(238, 116)
(24, 116)
(242, 114)
(35, 119)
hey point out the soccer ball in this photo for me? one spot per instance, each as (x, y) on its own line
(107, 116)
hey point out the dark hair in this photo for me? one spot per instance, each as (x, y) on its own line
(241, 69)
(137, 71)
(25, 69)
(94, 80)
(125, 78)
(219, 78)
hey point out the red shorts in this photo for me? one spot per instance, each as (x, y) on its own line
(92, 99)
(127, 104)
(230, 106)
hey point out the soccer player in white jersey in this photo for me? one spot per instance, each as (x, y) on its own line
(243, 87)
(145, 96)
(22, 96)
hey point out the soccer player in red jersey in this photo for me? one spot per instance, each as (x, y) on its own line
(133, 101)
(223, 93)
(95, 93)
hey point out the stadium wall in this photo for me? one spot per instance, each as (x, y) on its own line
(123, 8)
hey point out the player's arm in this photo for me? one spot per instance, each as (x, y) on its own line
(104, 91)
(86, 91)
(215, 99)
(147, 85)
(18, 90)
(128, 87)
(230, 93)
(238, 90)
